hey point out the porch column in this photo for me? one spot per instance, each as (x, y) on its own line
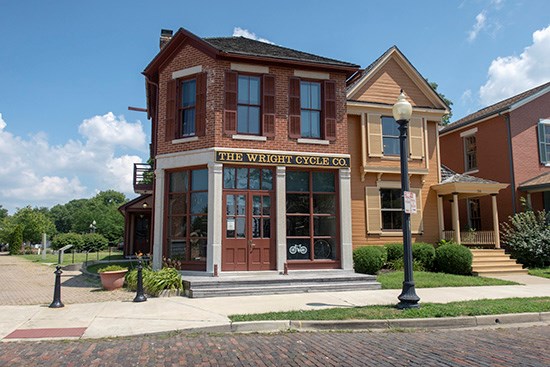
(529, 204)
(346, 255)
(495, 220)
(280, 207)
(440, 217)
(456, 220)
(158, 218)
(215, 215)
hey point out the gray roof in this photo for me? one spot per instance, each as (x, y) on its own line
(450, 176)
(250, 47)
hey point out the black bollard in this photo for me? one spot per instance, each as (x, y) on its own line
(56, 303)
(140, 297)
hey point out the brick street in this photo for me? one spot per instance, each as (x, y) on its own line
(525, 346)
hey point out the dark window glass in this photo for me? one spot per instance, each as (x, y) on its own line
(324, 226)
(187, 107)
(390, 136)
(297, 203)
(248, 109)
(324, 249)
(390, 200)
(199, 226)
(229, 178)
(267, 179)
(297, 226)
(242, 178)
(470, 151)
(200, 180)
(297, 181)
(178, 182)
(254, 179)
(199, 202)
(323, 181)
(324, 204)
(178, 204)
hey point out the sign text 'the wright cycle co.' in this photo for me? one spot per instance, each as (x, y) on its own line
(282, 159)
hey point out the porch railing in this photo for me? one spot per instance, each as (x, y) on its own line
(472, 237)
(143, 178)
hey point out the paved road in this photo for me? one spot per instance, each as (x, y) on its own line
(525, 346)
(26, 283)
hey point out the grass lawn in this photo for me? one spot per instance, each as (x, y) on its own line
(424, 279)
(453, 309)
(540, 272)
(78, 257)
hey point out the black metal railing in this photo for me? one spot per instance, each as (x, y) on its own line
(143, 178)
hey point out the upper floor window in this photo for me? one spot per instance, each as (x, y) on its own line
(188, 99)
(312, 109)
(390, 136)
(470, 153)
(248, 108)
(310, 100)
(544, 141)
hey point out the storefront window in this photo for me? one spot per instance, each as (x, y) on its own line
(311, 212)
(187, 215)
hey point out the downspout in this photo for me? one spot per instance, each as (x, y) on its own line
(511, 159)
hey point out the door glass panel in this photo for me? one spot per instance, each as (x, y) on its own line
(242, 178)
(266, 209)
(256, 227)
(229, 178)
(254, 183)
(230, 205)
(256, 205)
(241, 204)
(267, 228)
(267, 179)
(241, 227)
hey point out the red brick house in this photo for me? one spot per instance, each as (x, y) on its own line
(507, 142)
(250, 151)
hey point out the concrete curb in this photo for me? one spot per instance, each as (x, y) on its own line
(339, 325)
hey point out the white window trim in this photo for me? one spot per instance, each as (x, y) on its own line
(248, 137)
(313, 141)
(542, 122)
(186, 72)
(185, 140)
(311, 74)
(247, 68)
(468, 132)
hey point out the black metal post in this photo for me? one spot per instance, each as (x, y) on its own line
(408, 297)
(56, 303)
(140, 296)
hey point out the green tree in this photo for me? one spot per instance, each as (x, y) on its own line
(446, 118)
(16, 240)
(3, 213)
(34, 223)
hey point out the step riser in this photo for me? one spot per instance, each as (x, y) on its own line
(230, 285)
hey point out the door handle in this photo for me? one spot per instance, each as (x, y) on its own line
(251, 245)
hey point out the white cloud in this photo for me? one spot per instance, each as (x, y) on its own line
(466, 98)
(240, 32)
(510, 75)
(481, 19)
(39, 174)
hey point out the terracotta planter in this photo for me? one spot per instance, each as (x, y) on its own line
(111, 280)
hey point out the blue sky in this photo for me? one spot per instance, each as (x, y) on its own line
(70, 69)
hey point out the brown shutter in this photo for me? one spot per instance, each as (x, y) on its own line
(373, 213)
(230, 112)
(200, 105)
(294, 109)
(416, 138)
(268, 106)
(416, 219)
(171, 110)
(330, 109)
(374, 135)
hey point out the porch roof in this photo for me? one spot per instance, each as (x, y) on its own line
(464, 185)
(536, 184)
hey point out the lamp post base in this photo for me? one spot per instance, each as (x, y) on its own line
(408, 297)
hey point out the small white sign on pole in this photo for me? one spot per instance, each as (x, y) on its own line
(410, 202)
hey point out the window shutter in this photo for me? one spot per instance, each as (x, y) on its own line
(268, 106)
(542, 145)
(416, 219)
(330, 109)
(230, 112)
(373, 214)
(374, 133)
(416, 140)
(171, 109)
(200, 105)
(294, 109)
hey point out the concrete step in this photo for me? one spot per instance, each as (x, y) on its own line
(495, 262)
(499, 273)
(492, 252)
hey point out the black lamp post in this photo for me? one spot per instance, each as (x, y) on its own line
(402, 111)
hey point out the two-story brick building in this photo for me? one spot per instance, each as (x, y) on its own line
(251, 162)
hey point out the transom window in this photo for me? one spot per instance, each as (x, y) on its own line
(188, 215)
(544, 141)
(390, 136)
(470, 153)
(311, 212)
(390, 200)
(310, 101)
(248, 108)
(187, 106)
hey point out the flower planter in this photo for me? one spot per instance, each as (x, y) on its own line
(111, 280)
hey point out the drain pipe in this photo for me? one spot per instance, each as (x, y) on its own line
(511, 159)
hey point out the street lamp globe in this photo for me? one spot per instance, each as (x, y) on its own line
(402, 109)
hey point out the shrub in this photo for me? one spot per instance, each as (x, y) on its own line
(453, 259)
(369, 259)
(64, 239)
(111, 268)
(154, 282)
(399, 264)
(16, 240)
(395, 251)
(94, 242)
(528, 238)
(424, 253)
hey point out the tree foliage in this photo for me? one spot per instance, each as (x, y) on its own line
(447, 118)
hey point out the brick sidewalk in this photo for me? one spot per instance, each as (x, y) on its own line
(27, 283)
